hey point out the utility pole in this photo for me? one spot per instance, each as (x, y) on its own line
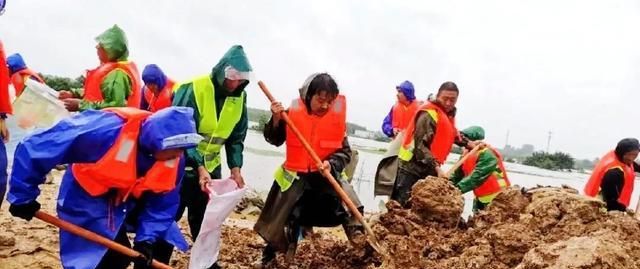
(506, 142)
(549, 141)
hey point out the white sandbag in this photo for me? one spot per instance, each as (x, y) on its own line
(223, 198)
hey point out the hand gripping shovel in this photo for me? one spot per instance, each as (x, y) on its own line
(373, 241)
(463, 159)
(96, 238)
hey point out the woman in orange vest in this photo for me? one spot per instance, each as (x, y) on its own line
(20, 73)
(402, 112)
(300, 196)
(428, 141)
(114, 83)
(157, 92)
(483, 173)
(613, 177)
(125, 164)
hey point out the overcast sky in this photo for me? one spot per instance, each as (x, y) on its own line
(569, 67)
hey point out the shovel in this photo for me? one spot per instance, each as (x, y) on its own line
(462, 160)
(373, 241)
(94, 237)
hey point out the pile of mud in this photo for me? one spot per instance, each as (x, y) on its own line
(545, 227)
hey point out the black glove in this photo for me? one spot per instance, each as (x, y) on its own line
(144, 260)
(25, 211)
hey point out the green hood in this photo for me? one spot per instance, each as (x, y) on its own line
(474, 133)
(114, 42)
(236, 58)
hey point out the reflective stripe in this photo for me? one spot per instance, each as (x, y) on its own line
(124, 150)
(284, 178)
(214, 140)
(171, 163)
(434, 115)
(406, 153)
(211, 157)
(488, 198)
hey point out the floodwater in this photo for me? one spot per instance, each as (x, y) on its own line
(261, 160)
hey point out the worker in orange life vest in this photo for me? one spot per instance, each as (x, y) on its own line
(613, 177)
(125, 165)
(157, 92)
(483, 172)
(300, 196)
(402, 112)
(114, 83)
(20, 73)
(428, 141)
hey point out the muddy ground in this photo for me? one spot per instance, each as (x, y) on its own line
(524, 229)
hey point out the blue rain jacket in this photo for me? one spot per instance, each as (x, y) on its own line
(85, 138)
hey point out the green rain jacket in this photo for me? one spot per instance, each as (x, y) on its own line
(487, 163)
(184, 96)
(116, 86)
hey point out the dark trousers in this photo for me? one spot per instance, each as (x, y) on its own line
(113, 259)
(402, 186)
(193, 198)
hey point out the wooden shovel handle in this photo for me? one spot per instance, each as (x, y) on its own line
(94, 237)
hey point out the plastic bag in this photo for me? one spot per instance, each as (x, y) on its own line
(223, 197)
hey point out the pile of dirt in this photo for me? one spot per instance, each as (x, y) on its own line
(544, 227)
(444, 208)
(600, 250)
(536, 228)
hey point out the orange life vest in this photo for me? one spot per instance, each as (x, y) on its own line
(5, 103)
(445, 133)
(401, 115)
(492, 184)
(92, 91)
(325, 134)
(117, 168)
(160, 101)
(18, 79)
(608, 162)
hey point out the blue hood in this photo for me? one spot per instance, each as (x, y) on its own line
(169, 128)
(152, 74)
(15, 63)
(407, 89)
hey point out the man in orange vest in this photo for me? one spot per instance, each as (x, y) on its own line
(613, 177)
(114, 83)
(402, 112)
(483, 172)
(125, 164)
(20, 73)
(428, 141)
(157, 92)
(301, 196)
